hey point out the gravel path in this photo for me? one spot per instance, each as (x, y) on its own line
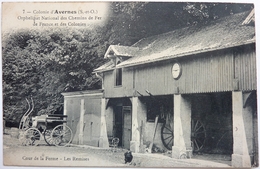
(79, 156)
(43, 155)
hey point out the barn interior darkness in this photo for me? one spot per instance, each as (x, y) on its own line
(158, 106)
(214, 111)
(211, 111)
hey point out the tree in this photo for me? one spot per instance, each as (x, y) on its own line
(132, 21)
(43, 64)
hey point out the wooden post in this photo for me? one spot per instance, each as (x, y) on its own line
(154, 132)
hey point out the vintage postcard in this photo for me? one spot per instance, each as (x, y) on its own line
(129, 84)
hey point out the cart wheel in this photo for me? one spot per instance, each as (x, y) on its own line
(32, 137)
(61, 135)
(198, 135)
(167, 135)
(47, 137)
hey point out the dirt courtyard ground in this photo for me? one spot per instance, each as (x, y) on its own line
(15, 154)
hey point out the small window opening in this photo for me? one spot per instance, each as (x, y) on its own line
(118, 76)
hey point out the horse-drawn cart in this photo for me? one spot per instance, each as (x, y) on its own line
(49, 128)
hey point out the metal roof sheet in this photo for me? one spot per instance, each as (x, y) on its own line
(222, 33)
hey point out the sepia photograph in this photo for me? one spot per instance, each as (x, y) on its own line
(135, 84)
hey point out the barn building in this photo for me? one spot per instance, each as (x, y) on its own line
(188, 90)
(84, 116)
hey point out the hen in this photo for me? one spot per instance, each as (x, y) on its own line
(128, 157)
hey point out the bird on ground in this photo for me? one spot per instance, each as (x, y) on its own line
(128, 157)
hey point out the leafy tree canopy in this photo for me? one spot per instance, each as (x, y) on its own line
(43, 64)
(131, 21)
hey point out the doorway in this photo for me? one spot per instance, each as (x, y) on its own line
(127, 126)
(118, 129)
(123, 125)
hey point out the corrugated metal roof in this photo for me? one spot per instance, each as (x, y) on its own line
(219, 34)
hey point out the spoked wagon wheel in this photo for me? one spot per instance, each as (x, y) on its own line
(32, 137)
(61, 135)
(198, 135)
(47, 137)
(167, 135)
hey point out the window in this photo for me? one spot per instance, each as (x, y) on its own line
(119, 77)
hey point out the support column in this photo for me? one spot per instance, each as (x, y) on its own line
(135, 141)
(65, 106)
(81, 120)
(103, 139)
(240, 156)
(182, 126)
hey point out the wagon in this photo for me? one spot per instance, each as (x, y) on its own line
(198, 133)
(50, 128)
